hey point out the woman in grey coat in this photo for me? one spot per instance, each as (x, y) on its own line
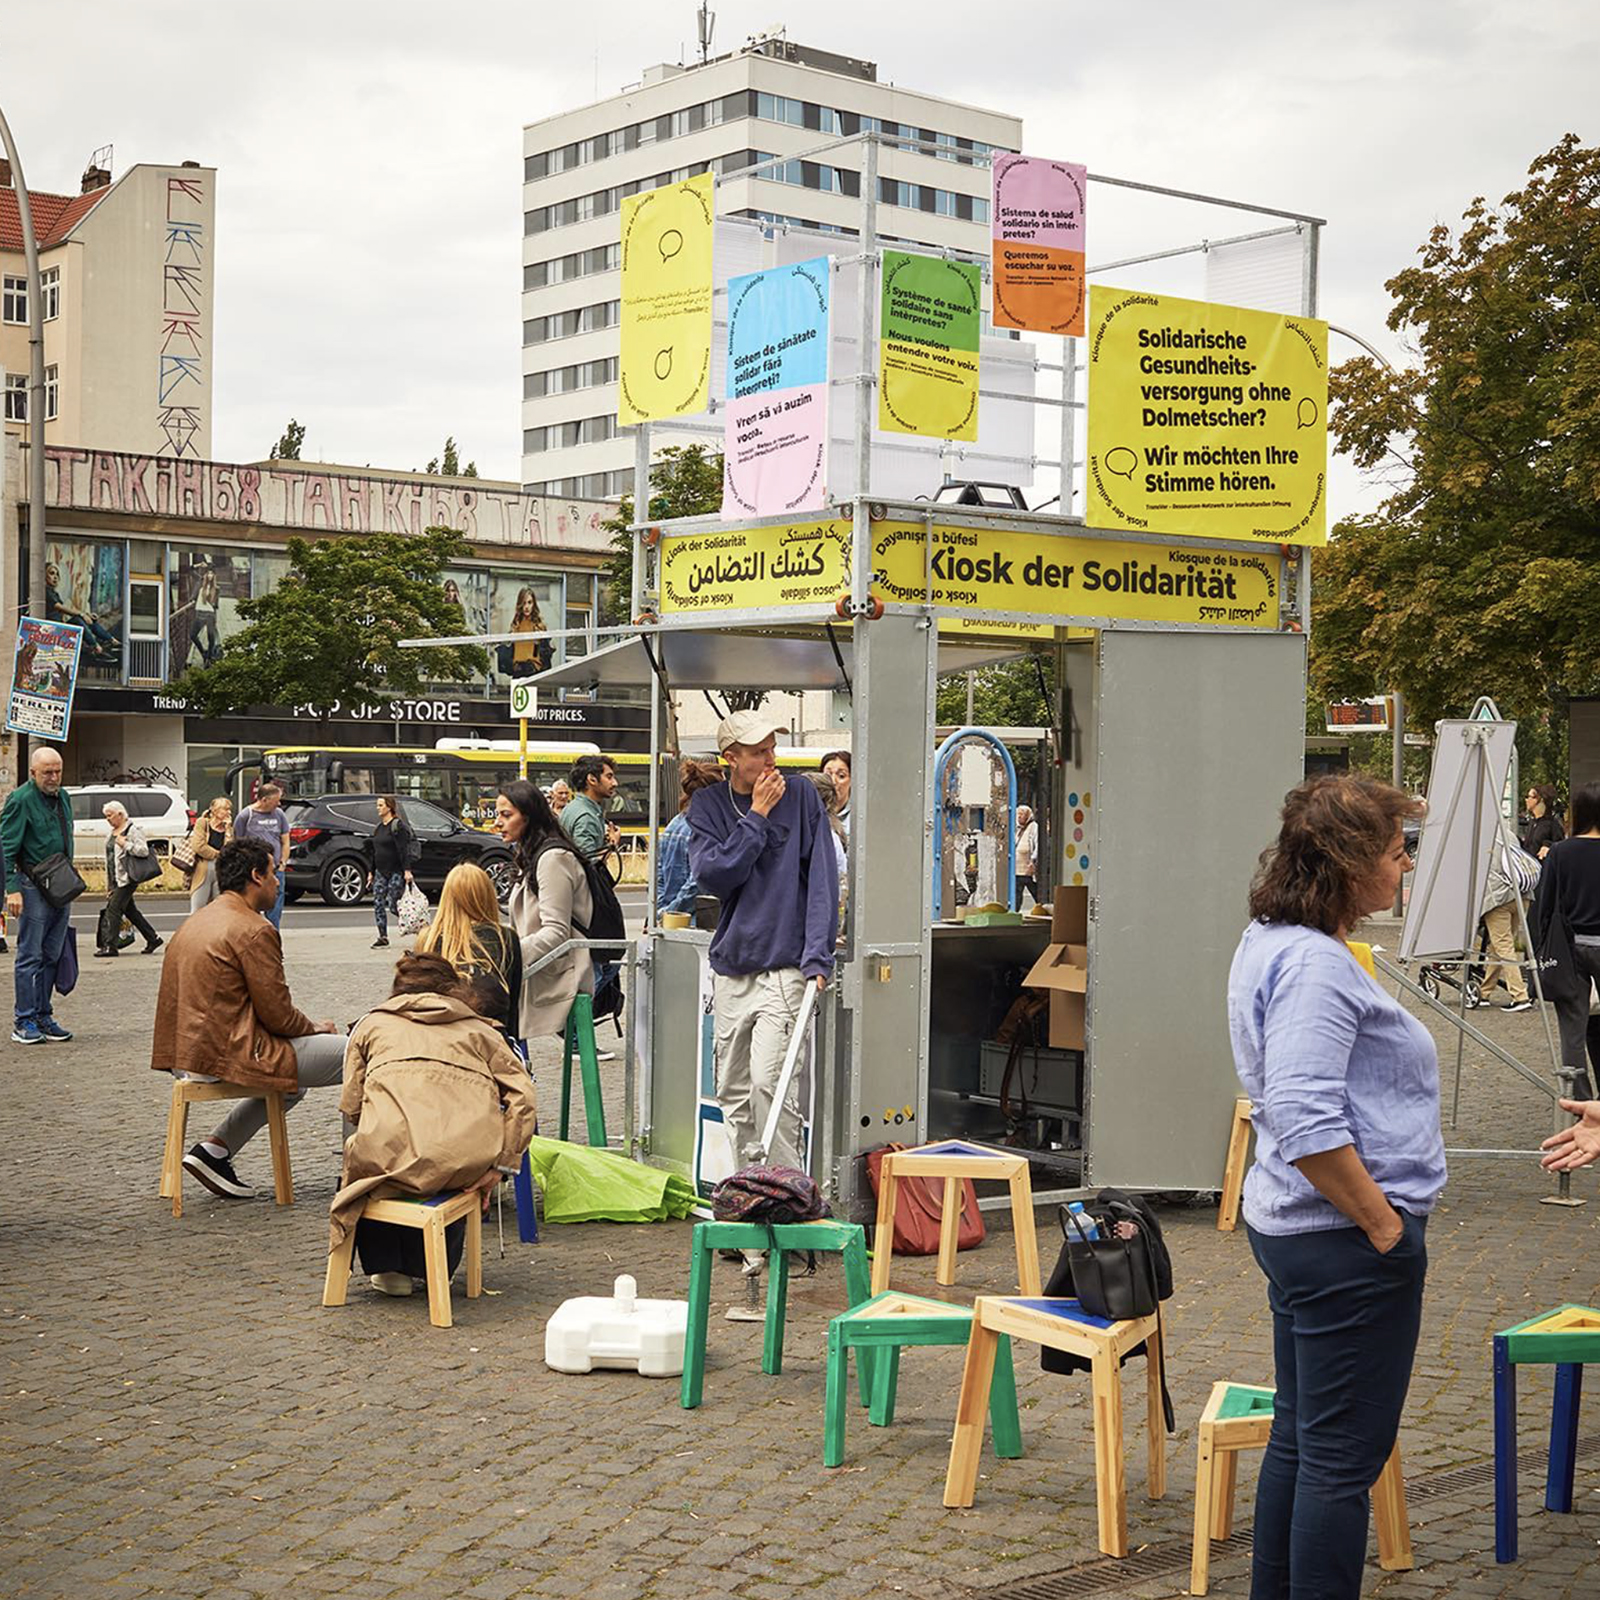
(550, 904)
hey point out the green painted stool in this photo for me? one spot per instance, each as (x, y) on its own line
(781, 1239)
(882, 1325)
(580, 1032)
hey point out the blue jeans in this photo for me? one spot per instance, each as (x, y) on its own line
(275, 915)
(387, 887)
(1344, 1330)
(40, 935)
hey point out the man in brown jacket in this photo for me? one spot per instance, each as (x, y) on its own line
(224, 1012)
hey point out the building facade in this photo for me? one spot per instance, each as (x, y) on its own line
(152, 555)
(771, 98)
(127, 281)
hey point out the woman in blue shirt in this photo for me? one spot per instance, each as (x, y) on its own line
(1349, 1162)
(675, 886)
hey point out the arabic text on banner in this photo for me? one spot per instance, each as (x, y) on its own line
(1037, 216)
(928, 354)
(775, 439)
(1206, 419)
(44, 675)
(797, 565)
(1052, 575)
(664, 369)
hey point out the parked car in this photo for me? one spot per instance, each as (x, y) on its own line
(161, 812)
(328, 854)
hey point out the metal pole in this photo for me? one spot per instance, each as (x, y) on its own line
(1069, 421)
(30, 253)
(866, 385)
(1397, 732)
(641, 514)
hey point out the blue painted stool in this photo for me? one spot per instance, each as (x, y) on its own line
(1566, 1339)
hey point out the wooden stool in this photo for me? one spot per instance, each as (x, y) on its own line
(883, 1324)
(1064, 1325)
(781, 1239)
(1566, 1338)
(1239, 1417)
(954, 1160)
(1233, 1169)
(580, 1034)
(432, 1215)
(187, 1092)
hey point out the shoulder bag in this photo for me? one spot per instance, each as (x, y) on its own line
(56, 879)
(919, 1208)
(1558, 975)
(141, 869)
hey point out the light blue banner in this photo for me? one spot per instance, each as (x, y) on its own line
(778, 329)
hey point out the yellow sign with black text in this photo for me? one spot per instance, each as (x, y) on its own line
(801, 564)
(1206, 420)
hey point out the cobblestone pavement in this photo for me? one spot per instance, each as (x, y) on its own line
(179, 1416)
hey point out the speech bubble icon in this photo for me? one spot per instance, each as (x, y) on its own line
(1306, 414)
(669, 244)
(664, 363)
(1114, 462)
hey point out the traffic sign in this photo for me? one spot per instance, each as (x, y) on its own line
(524, 698)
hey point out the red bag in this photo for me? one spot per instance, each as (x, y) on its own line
(919, 1209)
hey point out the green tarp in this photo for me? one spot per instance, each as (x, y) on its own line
(580, 1184)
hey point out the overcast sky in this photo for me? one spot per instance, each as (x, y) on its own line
(369, 218)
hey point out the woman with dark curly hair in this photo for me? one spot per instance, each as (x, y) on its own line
(1349, 1162)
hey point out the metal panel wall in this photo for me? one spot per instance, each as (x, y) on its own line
(1199, 736)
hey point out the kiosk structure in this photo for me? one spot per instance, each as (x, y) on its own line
(1178, 673)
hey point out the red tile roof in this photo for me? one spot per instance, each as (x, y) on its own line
(54, 215)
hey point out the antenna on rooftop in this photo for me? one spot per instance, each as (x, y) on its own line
(708, 22)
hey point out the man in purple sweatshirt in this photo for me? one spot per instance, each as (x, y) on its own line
(765, 849)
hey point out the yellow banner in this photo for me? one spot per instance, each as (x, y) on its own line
(665, 365)
(1058, 576)
(1206, 419)
(803, 564)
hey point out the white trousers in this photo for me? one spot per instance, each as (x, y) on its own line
(755, 1016)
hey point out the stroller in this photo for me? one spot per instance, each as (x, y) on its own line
(1431, 979)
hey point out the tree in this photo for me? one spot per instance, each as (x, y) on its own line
(288, 446)
(330, 631)
(1010, 694)
(685, 481)
(450, 465)
(1482, 575)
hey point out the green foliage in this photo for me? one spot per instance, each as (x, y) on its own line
(1003, 696)
(449, 465)
(1482, 576)
(288, 446)
(330, 631)
(685, 481)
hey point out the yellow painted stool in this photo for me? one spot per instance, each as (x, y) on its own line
(954, 1160)
(187, 1092)
(433, 1215)
(1065, 1325)
(1239, 1417)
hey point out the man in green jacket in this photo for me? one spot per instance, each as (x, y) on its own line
(594, 781)
(35, 824)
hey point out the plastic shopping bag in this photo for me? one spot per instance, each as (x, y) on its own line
(415, 913)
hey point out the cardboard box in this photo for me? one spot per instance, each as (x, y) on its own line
(1063, 970)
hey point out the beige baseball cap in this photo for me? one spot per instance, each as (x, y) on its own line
(746, 727)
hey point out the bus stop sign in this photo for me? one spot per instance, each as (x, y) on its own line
(524, 698)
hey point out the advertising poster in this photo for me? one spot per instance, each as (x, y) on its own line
(1206, 419)
(775, 441)
(1037, 216)
(207, 585)
(1052, 575)
(928, 354)
(520, 602)
(44, 674)
(801, 565)
(665, 365)
(83, 586)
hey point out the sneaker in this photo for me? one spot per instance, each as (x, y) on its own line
(5, 949)
(395, 1283)
(1519, 1005)
(102, 955)
(154, 945)
(53, 1031)
(217, 1174)
(380, 943)
(27, 1033)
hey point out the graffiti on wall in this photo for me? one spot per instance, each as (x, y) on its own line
(310, 500)
(181, 369)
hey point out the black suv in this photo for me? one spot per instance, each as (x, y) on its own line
(328, 847)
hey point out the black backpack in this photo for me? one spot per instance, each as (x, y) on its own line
(606, 920)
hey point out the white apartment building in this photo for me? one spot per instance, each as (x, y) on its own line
(127, 275)
(770, 98)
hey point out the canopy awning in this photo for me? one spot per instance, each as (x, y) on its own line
(695, 658)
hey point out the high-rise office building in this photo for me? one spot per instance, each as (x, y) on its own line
(770, 98)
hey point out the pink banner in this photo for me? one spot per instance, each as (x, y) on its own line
(775, 452)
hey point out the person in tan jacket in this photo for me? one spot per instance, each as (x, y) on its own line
(212, 831)
(549, 904)
(441, 1103)
(223, 1011)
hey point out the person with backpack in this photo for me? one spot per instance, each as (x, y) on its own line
(553, 900)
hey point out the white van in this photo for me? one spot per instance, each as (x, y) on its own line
(162, 814)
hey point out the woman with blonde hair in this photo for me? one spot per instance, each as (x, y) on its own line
(213, 828)
(466, 930)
